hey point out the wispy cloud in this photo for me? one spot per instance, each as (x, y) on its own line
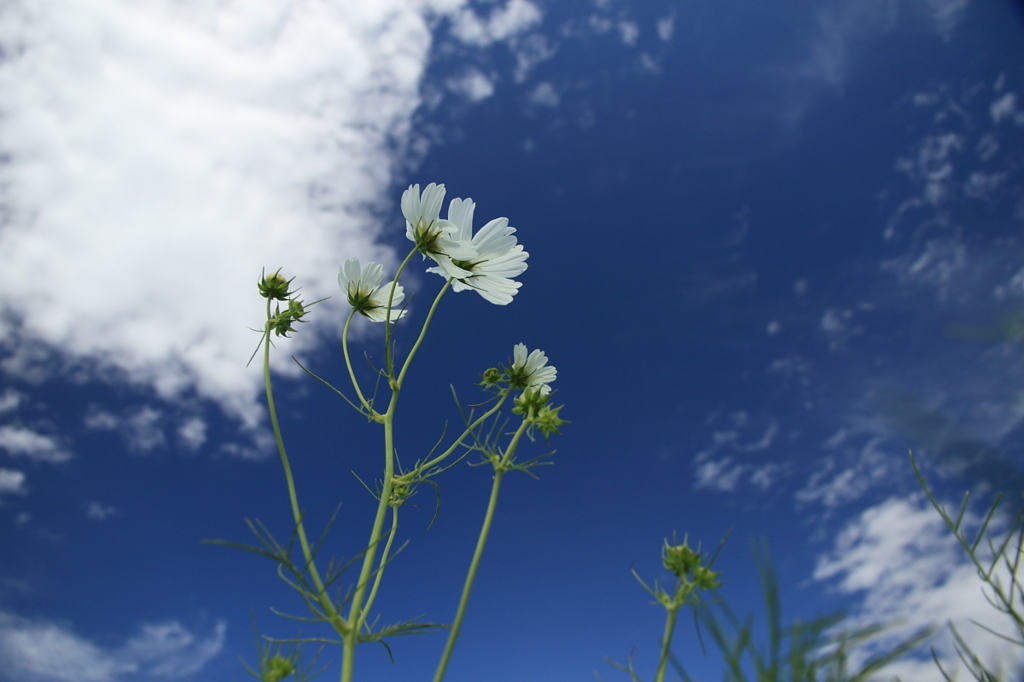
(98, 511)
(45, 651)
(12, 481)
(22, 441)
(844, 29)
(735, 455)
(503, 23)
(142, 427)
(158, 155)
(472, 84)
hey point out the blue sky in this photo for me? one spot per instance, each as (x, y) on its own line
(772, 248)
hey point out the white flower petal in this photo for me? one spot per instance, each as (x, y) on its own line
(533, 369)
(362, 287)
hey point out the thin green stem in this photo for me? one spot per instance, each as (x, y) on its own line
(389, 360)
(423, 333)
(356, 611)
(322, 597)
(467, 587)
(351, 373)
(666, 640)
(500, 467)
(458, 441)
(380, 567)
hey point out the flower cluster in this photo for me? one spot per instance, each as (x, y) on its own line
(277, 288)
(688, 565)
(495, 256)
(532, 375)
(484, 262)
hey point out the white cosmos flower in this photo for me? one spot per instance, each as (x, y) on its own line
(497, 257)
(531, 371)
(365, 293)
(432, 236)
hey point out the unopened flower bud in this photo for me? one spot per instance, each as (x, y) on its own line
(278, 668)
(491, 378)
(687, 564)
(705, 578)
(530, 402)
(548, 421)
(275, 287)
(679, 559)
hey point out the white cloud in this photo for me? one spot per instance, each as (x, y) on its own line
(910, 571)
(140, 427)
(40, 651)
(143, 429)
(12, 482)
(473, 85)
(666, 27)
(1006, 108)
(545, 95)
(835, 327)
(1013, 287)
(764, 477)
(983, 185)
(505, 22)
(857, 463)
(169, 650)
(43, 651)
(99, 511)
(9, 400)
(160, 154)
(724, 472)
(936, 265)
(531, 51)
(721, 475)
(845, 28)
(932, 166)
(629, 31)
(18, 440)
(192, 433)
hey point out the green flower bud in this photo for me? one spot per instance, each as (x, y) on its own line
(296, 310)
(705, 578)
(491, 378)
(281, 323)
(548, 421)
(275, 286)
(399, 492)
(687, 565)
(679, 559)
(530, 402)
(278, 668)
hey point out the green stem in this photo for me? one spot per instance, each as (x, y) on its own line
(380, 567)
(357, 615)
(666, 640)
(389, 360)
(500, 467)
(467, 587)
(351, 373)
(458, 441)
(423, 333)
(322, 597)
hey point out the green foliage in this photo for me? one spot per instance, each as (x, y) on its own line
(276, 663)
(817, 651)
(1005, 553)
